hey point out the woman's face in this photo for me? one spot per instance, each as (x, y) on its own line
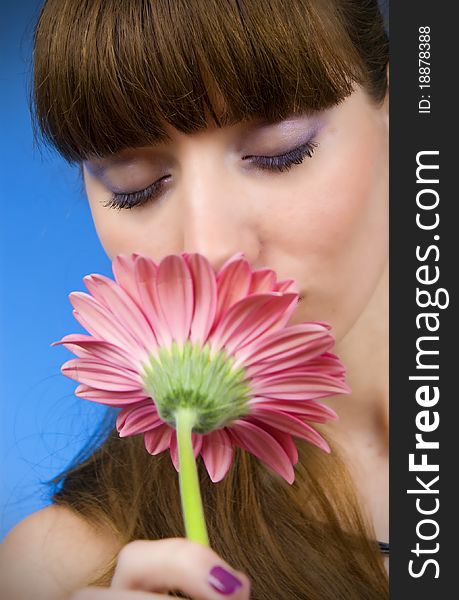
(323, 222)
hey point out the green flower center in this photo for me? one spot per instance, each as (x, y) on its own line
(190, 377)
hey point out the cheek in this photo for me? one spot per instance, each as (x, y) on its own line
(144, 230)
(335, 226)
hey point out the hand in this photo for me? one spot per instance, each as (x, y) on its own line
(153, 568)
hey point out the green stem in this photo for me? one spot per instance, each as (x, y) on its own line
(193, 513)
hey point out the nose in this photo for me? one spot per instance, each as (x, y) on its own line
(216, 216)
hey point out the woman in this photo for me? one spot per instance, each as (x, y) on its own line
(218, 127)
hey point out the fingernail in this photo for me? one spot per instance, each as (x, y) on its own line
(223, 581)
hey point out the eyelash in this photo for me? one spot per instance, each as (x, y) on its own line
(279, 163)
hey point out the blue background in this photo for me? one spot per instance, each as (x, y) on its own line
(47, 245)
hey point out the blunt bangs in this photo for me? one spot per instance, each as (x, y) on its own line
(109, 74)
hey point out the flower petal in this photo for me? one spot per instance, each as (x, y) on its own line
(101, 375)
(261, 444)
(304, 339)
(326, 364)
(123, 268)
(330, 364)
(299, 362)
(173, 449)
(283, 438)
(217, 453)
(85, 346)
(146, 273)
(263, 281)
(310, 410)
(197, 439)
(119, 303)
(233, 283)
(157, 440)
(138, 419)
(175, 293)
(102, 324)
(205, 297)
(116, 399)
(288, 285)
(292, 425)
(248, 319)
(302, 387)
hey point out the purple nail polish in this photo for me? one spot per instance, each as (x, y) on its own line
(223, 581)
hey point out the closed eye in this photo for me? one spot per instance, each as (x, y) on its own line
(279, 163)
(132, 199)
(283, 162)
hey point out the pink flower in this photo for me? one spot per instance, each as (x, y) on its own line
(178, 334)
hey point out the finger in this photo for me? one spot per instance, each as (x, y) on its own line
(178, 564)
(97, 593)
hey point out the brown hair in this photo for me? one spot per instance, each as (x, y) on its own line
(107, 76)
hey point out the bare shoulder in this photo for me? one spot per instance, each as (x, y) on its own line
(50, 554)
